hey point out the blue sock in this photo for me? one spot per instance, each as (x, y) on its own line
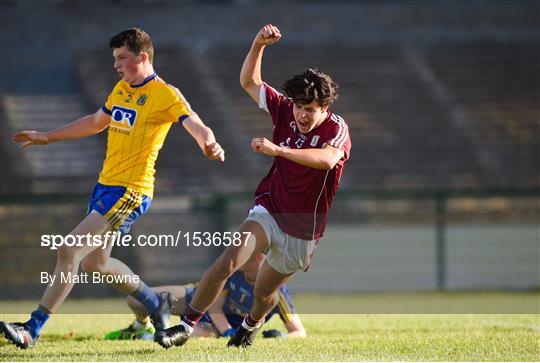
(38, 318)
(146, 296)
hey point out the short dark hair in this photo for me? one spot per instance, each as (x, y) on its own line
(311, 84)
(136, 40)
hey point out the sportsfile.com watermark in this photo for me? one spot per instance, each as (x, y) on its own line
(189, 239)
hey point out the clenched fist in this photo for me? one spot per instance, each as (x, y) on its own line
(213, 151)
(268, 34)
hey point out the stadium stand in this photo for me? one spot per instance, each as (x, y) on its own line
(498, 85)
(406, 134)
(438, 96)
(423, 88)
(7, 183)
(60, 165)
(385, 107)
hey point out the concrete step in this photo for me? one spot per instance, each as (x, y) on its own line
(77, 158)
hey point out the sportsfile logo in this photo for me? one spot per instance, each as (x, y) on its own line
(123, 118)
(195, 239)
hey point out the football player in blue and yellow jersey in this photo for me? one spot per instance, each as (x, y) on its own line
(226, 313)
(138, 114)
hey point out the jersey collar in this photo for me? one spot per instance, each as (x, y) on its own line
(146, 80)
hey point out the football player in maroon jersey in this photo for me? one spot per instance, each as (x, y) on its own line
(310, 146)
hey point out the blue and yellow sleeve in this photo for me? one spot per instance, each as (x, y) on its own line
(285, 305)
(107, 106)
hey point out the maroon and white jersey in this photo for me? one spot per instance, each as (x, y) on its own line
(297, 196)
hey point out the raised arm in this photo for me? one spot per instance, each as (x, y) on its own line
(204, 137)
(250, 75)
(83, 127)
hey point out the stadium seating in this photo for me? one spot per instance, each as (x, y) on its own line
(437, 95)
(498, 86)
(59, 166)
(404, 134)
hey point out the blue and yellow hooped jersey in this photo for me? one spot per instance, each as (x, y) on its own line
(239, 299)
(141, 116)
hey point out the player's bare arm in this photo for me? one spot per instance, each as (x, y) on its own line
(325, 158)
(204, 137)
(295, 328)
(250, 75)
(85, 126)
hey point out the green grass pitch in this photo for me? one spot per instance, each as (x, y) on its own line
(331, 337)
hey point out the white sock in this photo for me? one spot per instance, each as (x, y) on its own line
(250, 328)
(140, 324)
(188, 328)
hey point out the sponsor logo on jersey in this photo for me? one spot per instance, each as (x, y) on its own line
(286, 143)
(300, 141)
(314, 140)
(122, 117)
(142, 99)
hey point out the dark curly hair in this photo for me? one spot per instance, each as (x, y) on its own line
(311, 84)
(136, 40)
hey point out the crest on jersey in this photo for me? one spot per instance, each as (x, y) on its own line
(123, 117)
(315, 140)
(293, 125)
(142, 99)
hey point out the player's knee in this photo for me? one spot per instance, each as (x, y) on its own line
(224, 267)
(68, 256)
(89, 265)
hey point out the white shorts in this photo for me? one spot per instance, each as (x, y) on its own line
(285, 253)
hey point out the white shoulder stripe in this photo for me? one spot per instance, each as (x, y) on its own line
(342, 134)
(337, 118)
(336, 138)
(343, 138)
(338, 135)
